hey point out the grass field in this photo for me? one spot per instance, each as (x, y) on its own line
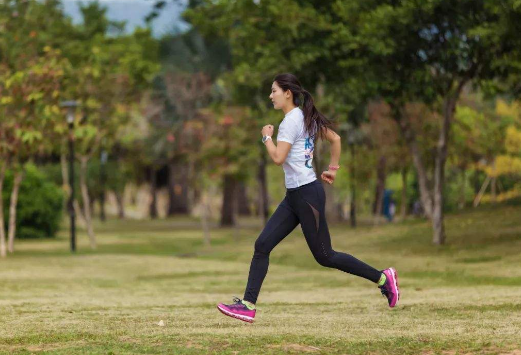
(462, 298)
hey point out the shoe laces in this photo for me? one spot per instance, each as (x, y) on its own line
(384, 291)
(237, 302)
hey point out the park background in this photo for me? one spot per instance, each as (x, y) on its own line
(171, 184)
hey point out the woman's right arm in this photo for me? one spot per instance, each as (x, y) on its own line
(334, 139)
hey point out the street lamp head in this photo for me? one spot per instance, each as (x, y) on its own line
(70, 105)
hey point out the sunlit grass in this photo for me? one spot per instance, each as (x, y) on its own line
(462, 298)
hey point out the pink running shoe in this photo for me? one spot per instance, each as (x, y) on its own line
(237, 310)
(390, 288)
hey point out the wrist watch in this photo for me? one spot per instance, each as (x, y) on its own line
(265, 139)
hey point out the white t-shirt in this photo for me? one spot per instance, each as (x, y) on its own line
(298, 167)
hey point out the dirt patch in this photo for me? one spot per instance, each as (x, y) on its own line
(42, 347)
(192, 345)
(297, 348)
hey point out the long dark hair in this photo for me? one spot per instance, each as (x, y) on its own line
(314, 121)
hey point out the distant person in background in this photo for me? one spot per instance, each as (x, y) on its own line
(389, 207)
(392, 210)
(305, 199)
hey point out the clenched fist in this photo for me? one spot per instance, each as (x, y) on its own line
(328, 176)
(267, 130)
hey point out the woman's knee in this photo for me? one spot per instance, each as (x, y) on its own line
(261, 246)
(325, 260)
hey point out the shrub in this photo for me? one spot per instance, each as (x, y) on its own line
(39, 208)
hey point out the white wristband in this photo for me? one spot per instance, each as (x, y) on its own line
(265, 139)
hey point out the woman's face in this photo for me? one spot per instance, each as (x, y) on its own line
(279, 97)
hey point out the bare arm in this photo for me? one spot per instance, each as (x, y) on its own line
(334, 139)
(278, 153)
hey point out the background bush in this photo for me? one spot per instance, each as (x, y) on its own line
(39, 207)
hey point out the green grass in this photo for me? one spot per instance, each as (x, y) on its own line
(461, 298)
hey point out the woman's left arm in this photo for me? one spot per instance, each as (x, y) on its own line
(278, 153)
(334, 139)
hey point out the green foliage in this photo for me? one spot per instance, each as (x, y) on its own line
(190, 52)
(228, 147)
(40, 204)
(116, 176)
(273, 36)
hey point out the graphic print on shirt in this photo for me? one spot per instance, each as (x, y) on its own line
(309, 147)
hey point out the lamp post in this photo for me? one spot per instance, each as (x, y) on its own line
(71, 106)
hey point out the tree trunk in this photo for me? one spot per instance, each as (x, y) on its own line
(81, 217)
(204, 218)
(3, 253)
(177, 188)
(423, 181)
(153, 193)
(86, 201)
(103, 183)
(229, 200)
(18, 177)
(439, 171)
(352, 209)
(380, 187)
(92, 202)
(236, 231)
(331, 208)
(263, 188)
(121, 206)
(461, 204)
(493, 184)
(340, 211)
(191, 193)
(403, 207)
(481, 192)
(243, 204)
(320, 165)
(102, 214)
(477, 183)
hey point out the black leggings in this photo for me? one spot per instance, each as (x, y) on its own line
(304, 205)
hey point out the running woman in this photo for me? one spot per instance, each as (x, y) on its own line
(305, 199)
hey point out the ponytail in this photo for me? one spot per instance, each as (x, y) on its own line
(315, 122)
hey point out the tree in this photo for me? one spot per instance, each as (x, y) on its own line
(265, 39)
(31, 76)
(501, 153)
(28, 110)
(111, 74)
(226, 152)
(429, 52)
(391, 150)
